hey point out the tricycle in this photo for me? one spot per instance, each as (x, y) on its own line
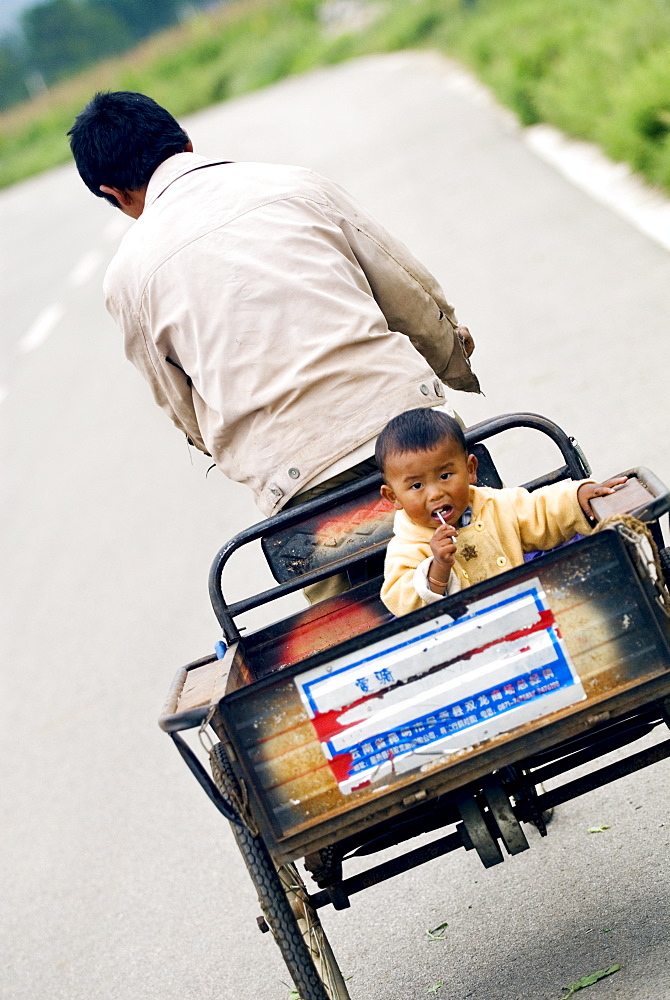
(339, 731)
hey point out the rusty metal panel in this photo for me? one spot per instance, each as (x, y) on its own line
(594, 616)
(316, 629)
(363, 523)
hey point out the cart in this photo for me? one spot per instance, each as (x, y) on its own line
(340, 731)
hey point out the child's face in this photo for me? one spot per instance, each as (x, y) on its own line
(424, 482)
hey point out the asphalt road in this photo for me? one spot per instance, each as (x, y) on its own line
(119, 879)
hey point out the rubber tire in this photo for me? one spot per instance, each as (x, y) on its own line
(664, 557)
(294, 924)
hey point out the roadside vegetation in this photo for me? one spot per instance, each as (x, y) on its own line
(597, 69)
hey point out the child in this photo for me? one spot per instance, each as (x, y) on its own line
(449, 533)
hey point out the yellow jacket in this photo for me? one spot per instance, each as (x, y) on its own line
(505, 524)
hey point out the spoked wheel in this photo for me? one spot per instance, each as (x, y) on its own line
(285, 904)
(312, 933)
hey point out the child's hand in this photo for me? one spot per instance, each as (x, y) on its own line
(443, 547)
(587, 491)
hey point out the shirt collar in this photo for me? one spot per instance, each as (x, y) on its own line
(466, 518)
(171, 170)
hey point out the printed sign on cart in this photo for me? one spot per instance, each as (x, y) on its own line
(440, 687)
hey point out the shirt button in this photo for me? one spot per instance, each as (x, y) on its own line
(465, 574)
(424, 388)
(501, 560)
(479, 525)
(294, 473)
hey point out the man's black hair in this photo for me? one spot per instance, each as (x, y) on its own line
(120, 138)
(417, 430)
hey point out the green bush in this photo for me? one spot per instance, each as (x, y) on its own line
(407, 24)
(598, 69)
(638, 128)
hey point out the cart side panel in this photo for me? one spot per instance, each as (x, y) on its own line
(601, 618)
(316, 629)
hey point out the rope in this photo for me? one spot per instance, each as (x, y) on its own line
(240, 801)
(638, 534)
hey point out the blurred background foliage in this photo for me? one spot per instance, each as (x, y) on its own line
(597, 69)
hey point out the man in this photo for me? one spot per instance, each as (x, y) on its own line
(278, 325)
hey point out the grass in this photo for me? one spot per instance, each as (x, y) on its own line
(597, 69)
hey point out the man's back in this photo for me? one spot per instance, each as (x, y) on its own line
(263, 306)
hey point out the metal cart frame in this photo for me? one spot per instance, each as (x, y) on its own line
(481, 794)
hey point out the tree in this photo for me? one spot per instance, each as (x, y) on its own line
(141, 18)
(12, 75)
(62, 36)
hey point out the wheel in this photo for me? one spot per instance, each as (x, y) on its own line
(284, 901)
(518, 782)
(313, 934)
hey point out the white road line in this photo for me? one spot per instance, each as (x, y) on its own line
(612, 184)
(42, 327)
(584, 164)
(85, 268)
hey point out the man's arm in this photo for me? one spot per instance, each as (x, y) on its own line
(170, 385)
(411, 299)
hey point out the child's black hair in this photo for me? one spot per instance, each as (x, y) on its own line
(417, 430)
(120, 138)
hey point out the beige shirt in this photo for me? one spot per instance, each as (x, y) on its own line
(277, 324)
(360, 454)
